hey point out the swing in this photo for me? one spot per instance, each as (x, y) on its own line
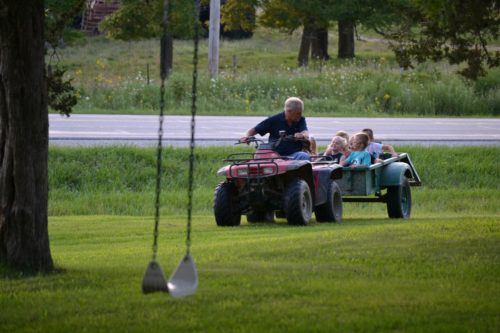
(184, 280)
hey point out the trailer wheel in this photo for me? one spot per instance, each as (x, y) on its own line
(298, 202)
(331, 210)
(224, 208)
(399, 200)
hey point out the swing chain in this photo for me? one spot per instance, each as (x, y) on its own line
(159, 151)
(193, 124)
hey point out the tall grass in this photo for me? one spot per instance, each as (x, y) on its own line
(121, 180)
(257, 75)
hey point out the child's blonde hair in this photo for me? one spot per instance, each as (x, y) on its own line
(343, 134)
(363, 137)
(342, 141)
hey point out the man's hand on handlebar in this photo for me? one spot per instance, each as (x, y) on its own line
(247, 139)
(299, 136)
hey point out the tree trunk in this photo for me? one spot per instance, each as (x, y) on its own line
(166, 45)
(166, 55)
(305, 45)
(320, 44)
(24, 241)
(346, 39)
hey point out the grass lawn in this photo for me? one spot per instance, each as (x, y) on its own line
(436, 274)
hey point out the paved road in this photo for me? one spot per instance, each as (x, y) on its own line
(211, 130)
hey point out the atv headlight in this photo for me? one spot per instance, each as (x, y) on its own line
(268, 170)
(222, 171)
(243, 172)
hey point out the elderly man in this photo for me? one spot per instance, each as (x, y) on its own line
(290, 121)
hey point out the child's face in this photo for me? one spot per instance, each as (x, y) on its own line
(337, 146)
(357, 144)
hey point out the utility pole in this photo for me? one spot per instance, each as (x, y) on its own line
(213, 39)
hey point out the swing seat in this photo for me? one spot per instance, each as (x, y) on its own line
(184, 281)
(154, 280)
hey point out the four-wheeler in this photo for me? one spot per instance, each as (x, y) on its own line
(263, 184)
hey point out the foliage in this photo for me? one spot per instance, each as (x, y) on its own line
(360, 87)
(62, 95)
(137, 19)
(134, 20)
(257, 74)
(59, 14)
(237, 14)
(457, 31)
(291, 15)
(316, 17)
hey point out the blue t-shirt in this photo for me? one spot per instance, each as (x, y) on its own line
(359, 158)
(274, 124)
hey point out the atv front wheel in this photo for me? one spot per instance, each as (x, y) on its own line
(224, 208)
(298, 202)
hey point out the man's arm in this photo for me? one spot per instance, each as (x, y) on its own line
(250, 132)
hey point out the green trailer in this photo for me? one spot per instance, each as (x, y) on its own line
(387, 182)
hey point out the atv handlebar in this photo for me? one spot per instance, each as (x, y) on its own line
(274, 144)
(249, 140)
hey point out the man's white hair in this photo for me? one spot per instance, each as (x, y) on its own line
(294, 104)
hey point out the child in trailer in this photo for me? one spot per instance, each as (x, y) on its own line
(313, 150)
(375, 148)
(336, 149)
(358, 157)
(343, 134)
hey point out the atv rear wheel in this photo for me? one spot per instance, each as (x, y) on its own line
(224, 208)
(331, 210)
(298, 202)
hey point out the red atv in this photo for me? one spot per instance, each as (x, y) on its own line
(262, 183)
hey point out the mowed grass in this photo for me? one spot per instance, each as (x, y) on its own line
(437, 272)
(362, 275)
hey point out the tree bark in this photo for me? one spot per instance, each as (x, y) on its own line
(320, 44)
(166, 45)
(24, 240)
(346, 39)
(166, 55)
(305, 45)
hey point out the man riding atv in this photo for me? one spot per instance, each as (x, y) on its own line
(290, 121)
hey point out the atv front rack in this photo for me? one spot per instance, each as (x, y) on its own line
(253, 169)
(244, 157)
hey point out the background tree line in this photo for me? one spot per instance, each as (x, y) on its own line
(418, 30)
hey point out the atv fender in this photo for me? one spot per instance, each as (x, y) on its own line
(322, 177)
(302, 169)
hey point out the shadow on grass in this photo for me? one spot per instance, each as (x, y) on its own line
(12, 273)
(282, 223)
